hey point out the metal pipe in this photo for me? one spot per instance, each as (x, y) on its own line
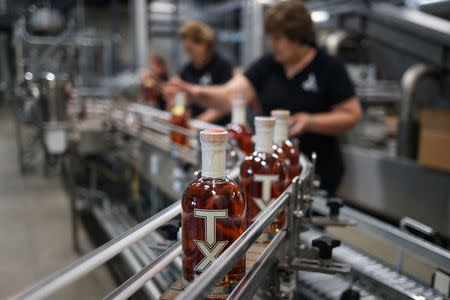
(292, 232)
(142, 250)
(217, 270)
(140, 33)
(435, 7)
(129, 287)
(149, 288)
(406, 222)
(408, 125)
(246, 287)
(100, 255)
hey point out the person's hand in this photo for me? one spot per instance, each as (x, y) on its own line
(191, 90)
(299, 123)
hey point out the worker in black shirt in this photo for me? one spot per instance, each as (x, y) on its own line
(296, 76)
(206, 67)
(152, 80)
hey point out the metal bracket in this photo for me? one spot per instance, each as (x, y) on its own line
(328, 221)
(320, 266)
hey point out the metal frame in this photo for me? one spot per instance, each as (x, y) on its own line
(408, 125)
(414, 32)
(132, 285)
(274, 251)
(97, 257)
(210, 277)
(428, 252)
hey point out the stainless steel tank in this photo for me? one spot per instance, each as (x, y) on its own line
(53, 97)
(53, 104)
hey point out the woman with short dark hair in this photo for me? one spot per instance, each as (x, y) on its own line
(299, 77)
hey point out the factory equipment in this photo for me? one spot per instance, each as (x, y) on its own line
(125, 175)
(140, 140)
(54, 58)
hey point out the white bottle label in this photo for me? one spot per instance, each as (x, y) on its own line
(210, 248)
(266, 185)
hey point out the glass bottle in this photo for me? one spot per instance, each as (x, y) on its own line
(213, 215)
(180, 118)
(283, 146)
(263, 175)
(149, 89)
(238, 129)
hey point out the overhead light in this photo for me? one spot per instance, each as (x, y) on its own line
(320, 16)
(266, 2)
(162, 7)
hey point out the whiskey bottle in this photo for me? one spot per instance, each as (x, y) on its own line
(283, 146)
(180, 118)
(263, 175)
(213, 215)
(149, 90)
(238, 129)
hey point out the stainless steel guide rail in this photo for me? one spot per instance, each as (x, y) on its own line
(220, 267)
(97, 257)
(224, 263)
(217, 270)
(133, 284)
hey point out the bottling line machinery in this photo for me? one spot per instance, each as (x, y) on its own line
(136, 214)
(125, 177)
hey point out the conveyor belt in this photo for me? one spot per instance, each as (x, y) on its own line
(382, 280)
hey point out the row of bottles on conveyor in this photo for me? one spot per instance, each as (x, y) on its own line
(216, 210)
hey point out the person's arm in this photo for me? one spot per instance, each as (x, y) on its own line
(219, 97)
(341, 118)
(211, 115)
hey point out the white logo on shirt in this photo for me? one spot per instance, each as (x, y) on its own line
(310, 84)
(205, 79)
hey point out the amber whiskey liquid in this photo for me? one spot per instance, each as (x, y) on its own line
(238, 129)
(213, 216)
(149, 90)
(180, 118)
(263, 175)
(283, 146)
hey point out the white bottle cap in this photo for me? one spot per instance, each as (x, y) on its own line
(264, 127)
(281, 125)
(214, 145)
(238, 112)
(180, 99)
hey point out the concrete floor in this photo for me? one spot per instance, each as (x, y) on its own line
(35, 237)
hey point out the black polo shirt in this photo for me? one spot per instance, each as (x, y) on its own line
(323, 83)
(216, 71)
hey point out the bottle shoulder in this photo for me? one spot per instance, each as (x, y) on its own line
(264, 162)
(286, 149)
(240, 128)
(205, 187)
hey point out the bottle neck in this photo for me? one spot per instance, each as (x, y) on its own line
(214, 160)
(281, 131)
(238, 115)
(263, 139)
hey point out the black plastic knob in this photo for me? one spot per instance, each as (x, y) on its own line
(350, 294)
(335, 205)
(325, 245)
